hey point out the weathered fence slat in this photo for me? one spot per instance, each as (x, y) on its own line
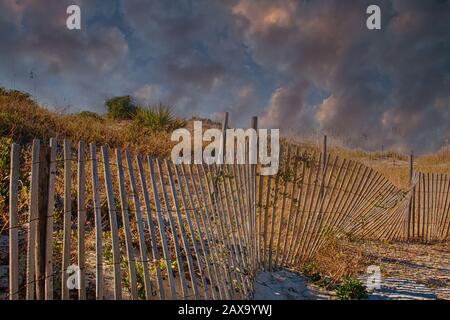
(126, 226)
(272, 231)
(283, 203)
(219, 231)
(327, 215)
(291, 206)
(334, 212)
(115, 242)
(191, 229)
(293, 234)
(81, 221)
(154, 244)
(67, 217)
(13, 223)
(446, 210)
(318, 215)
(239, 214)
(233, 221)
(49, 225)
(141, 231)
(420, 206)
(309, 212)
(209, 232)
(175, 238)
(229, 242)
(439, 205)
(162, 228)
(32, 220)
(266, 221)
(184, 240)
(208, 259)
(259, 219)
(298, 224)
(98, 225)
(225, 214)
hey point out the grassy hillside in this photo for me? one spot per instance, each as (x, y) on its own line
(21, 119)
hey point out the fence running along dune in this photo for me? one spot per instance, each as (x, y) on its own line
(143, 228)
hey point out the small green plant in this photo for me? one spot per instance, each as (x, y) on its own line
(162, 264)
(126, 280)
(351, 289)
(120, 108)
(310, 270)
(174, 265)
(141, 281)
(236, 285)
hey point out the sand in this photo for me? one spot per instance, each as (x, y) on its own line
(286, 285)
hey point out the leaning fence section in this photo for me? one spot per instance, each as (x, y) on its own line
(315, 196)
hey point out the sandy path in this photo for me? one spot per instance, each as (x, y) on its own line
(411, 271)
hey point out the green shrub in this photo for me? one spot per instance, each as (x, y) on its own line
(120, 108)
(160, 118)
(351, 289)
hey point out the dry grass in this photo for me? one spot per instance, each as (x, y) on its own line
(393, 165)
(336, 259)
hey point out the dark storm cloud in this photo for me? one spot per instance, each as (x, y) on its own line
(385, 87)
(68, 67)
(303, 66)
(198, 52)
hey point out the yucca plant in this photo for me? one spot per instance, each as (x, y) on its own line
(159, 118)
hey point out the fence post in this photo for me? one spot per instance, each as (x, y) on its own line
(254, 125)
(411, 172)
(222, 151)
(13, 224)
(324, 169)
(67, 223)
(32, 221)
(42, 221)
(49, 224)
(252, 230)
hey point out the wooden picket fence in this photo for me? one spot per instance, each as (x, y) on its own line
(163, 231)
(134, 227)
(428, 218)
